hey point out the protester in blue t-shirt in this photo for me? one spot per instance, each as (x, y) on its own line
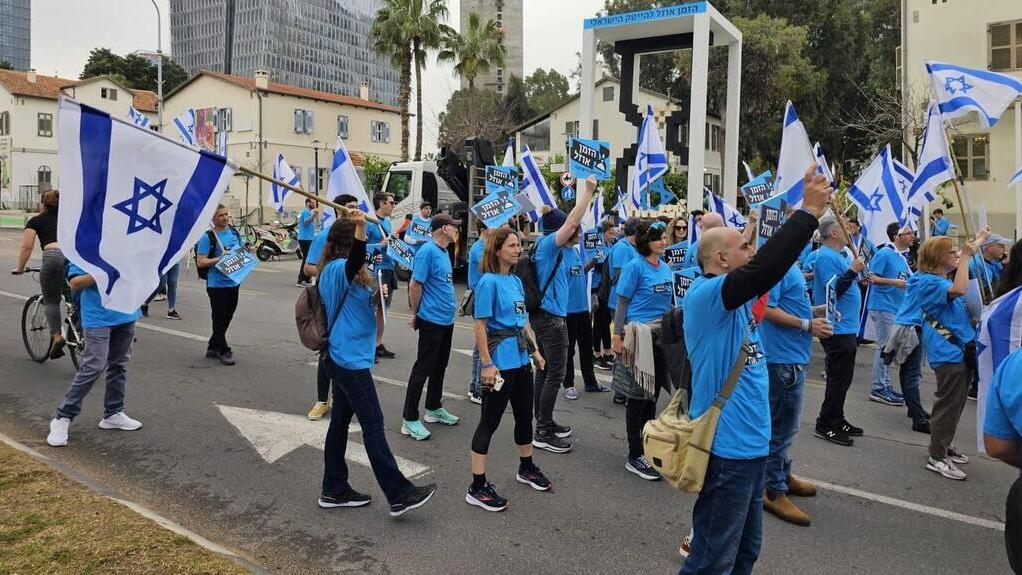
(221, 289)
(707, 222)
(580, 325)
(475, 259)
(378, 236)
(833, 264)
(1002, 438)
(307, 219)
(431, 298)
(987, 266)
(720, 322)
(504, 347)
(948, 337)
(677, 240)
(603, 357)
(645, 292)
(888, 276)
(621, 254)
(941, 225)
(347, 290)
(107, 335)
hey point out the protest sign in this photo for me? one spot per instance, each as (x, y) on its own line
(675, 256)
(589, 158)
(833, 315)
(401, 252)
(418, 231)
(237, 264)
(759, 189)
(682, 281)
(772, 215)
(502, 179)
(496, 209)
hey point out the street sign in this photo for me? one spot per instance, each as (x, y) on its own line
(567, 193)
(567, 179)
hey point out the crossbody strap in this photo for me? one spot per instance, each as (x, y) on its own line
(550, 278)
(943, 331)
(732, 377)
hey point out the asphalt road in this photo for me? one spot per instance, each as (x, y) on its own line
(251, 482)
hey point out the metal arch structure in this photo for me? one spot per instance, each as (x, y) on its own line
(697, 25)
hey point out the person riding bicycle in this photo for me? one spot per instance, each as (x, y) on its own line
(51, 275)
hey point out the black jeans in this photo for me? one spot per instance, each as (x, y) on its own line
(840, 365)
(222, 303)
(430, 364)
(1013, 526)
(552, 339)
(637, 413)
(304, 245)
(517, 390)
(322, 380)
(601, 328)
(580, 332)
(355, 394)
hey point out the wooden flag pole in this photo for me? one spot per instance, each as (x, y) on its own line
(339, 208)
(959, 193)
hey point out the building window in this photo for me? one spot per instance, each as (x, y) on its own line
(596, 129)
(1006, 45)
(303, 121)
(224, 120)
(712, 182)
(973, 154)
(380, 132)
(342, 127)
(608, 94)
(44, 125)
(321, 179)
(44, 177)
(571, 129)
(5, 123)
(108, 94)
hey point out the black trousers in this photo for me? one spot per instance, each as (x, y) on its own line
(601, 328)
(580, 333)
(517, 390)
(430, 364)
(305, 245)
(222, 303)
(840, 365)
(1013, 526)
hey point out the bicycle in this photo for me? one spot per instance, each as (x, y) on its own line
(35, 331)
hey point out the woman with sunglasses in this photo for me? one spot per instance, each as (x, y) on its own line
(645, 292)
(677, 240)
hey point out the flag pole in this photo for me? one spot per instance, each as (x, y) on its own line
(959, 193)
(339, 208)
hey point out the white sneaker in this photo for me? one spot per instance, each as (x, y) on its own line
(946, 467)
(957, 456)
(119, 421)
(58, 431)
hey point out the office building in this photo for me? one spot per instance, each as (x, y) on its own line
(16, 33)
(508, 14)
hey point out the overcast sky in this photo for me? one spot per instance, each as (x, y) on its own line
(64, 31)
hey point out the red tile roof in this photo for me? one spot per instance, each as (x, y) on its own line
(144, 100)
(16, 82)
(288, 90)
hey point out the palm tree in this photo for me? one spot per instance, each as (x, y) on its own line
(476, 51)
(425, 30)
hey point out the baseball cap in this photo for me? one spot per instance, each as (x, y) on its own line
(441, 220)
(995, 239)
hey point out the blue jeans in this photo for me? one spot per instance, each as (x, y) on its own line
(107, 349)
(910, 374)
(355, 394)
(474, 385)
(168, 282)
(883, 322)
(727, 520)
(787, 388)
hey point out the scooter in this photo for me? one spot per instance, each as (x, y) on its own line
(273, 243)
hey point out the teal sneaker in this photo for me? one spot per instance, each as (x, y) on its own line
(415, 429)
(441, 416)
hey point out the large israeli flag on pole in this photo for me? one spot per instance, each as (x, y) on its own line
(1000, 333)
(344, 180)
(934, 168)
(821, 160)
(185, 125)
(650, 161)
(796, 157)
(138, 118)
(877, 196)
(132, 202)
(961, 90)
(282, 171)
(532, 184)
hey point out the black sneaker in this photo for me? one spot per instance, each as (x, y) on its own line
(922, 427)
(641, 467)
(534, 478)
(227, 358)
(551, 443)
(382, 351)
(145, 310)
(349, 498)
(212, 354)
(562, 431)
(414, 499)
(973, 394)
(851, 430)
(486, 498)
(619, 399)
(834, 435)
(603, 363)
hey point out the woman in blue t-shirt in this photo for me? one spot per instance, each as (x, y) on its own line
(947, 337)
(506, 376)
(345, 286)
(645, 293)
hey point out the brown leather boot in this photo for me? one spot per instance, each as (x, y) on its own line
(800, 487)
(783, 508)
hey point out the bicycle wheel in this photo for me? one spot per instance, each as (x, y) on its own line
(75, 336)
(34, 330)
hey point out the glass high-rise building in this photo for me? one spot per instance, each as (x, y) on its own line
(16, 33)
(319, 44)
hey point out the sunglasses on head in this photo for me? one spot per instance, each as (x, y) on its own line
(658, 226)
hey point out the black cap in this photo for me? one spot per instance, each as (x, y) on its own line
(440, 220)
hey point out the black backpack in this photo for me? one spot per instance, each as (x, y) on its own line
(526, 271)
(603, 292)
(672, 340)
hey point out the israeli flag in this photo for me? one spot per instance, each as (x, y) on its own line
(185, 124)
(509, 154)
(620, 207)
(532, 184)
(138, 118)
(796, 157)
(821, 160)
(594, 214)
(748, 171)
(650, 161)
(1000, 333)
(132, 201)
(961, 90)
(344, 180)
(934, 168)
(282, 171)
(221, 143)
(1016, 179)
(878, 198)
(732, 217)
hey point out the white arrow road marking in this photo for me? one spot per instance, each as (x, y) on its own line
(274, 435)
(599, 376)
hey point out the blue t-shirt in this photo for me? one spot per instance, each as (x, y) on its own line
(784, 344)
(317, 247)
(985, 271)
(830, 263)
(353, 335)
(306, 225)
(475, 260)
(500, 300)
(578, 292)
(713, 336)
(940, 227)
(555, 301)
(91, 306)
(620, 256)
(374, 236)
(691, 257)
(1004, 400)
(929, 292)
(649, 289)
(890, 264)
(804, 254)
(432, 269)
(230, 239)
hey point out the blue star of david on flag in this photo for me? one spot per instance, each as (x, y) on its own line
(130, 207)
(963, 86)
(874, 201)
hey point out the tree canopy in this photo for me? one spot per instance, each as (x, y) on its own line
(545, 89)
(134, 70)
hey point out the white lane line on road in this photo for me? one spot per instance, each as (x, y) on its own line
(936, 512)
(399, 383)
(14, 295)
